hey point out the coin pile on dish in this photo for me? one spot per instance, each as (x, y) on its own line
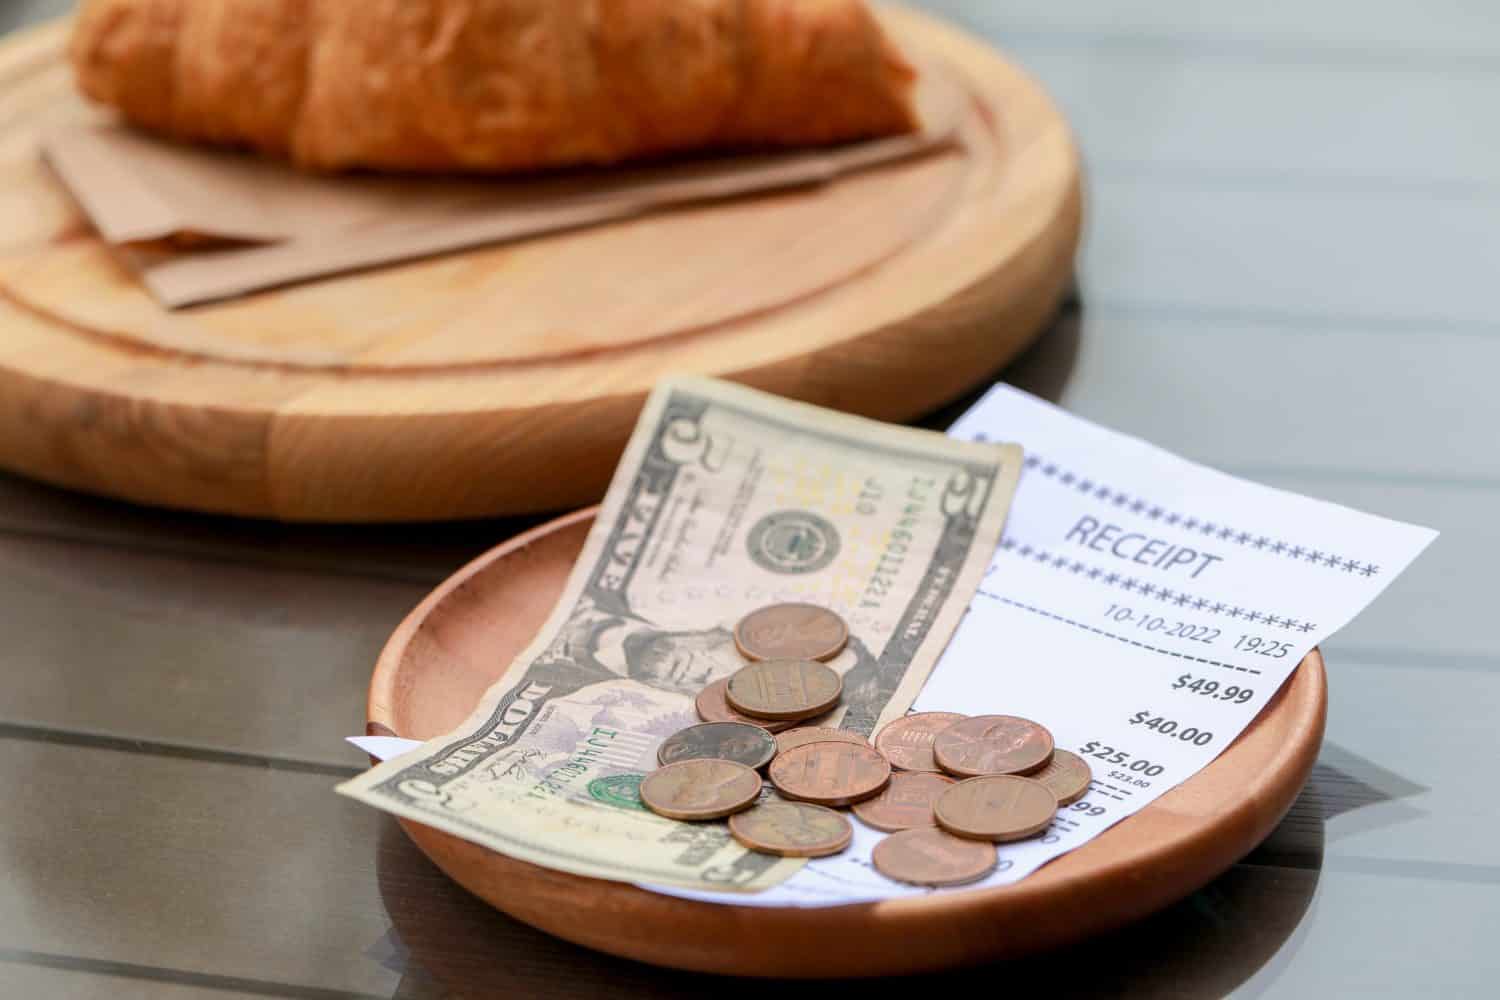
(946, 787)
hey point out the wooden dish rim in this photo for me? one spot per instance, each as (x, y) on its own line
(1296, 757)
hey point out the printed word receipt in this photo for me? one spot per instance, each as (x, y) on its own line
(1144, 606)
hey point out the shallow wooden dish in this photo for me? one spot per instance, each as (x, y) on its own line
(459, 640)
(506, 379)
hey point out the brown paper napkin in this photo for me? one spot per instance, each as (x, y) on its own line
(173, 207)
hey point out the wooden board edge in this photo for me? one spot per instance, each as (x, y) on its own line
(343, 487)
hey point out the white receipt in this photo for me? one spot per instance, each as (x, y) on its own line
(1142, 607)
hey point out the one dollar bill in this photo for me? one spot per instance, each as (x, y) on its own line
(725, 500)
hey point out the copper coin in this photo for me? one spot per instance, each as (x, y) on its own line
(792, 829)
(907, 741)
(1068, 775)
(712, 707)
(791, 632)
(905, 803)
(740, 742)
(831, 774)
(784, 689)
(933, 857)
(700, 789)
(794, 738)
(998, 807)
(992, 744)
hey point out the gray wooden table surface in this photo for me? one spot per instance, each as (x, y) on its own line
(1289, 273)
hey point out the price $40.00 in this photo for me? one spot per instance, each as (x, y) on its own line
(1171, 727)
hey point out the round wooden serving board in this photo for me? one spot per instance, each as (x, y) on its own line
(506, 379)
(460, 639)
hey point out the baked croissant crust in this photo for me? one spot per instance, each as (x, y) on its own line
(493, 85)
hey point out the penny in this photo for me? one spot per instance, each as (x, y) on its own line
(831, 774)
(783, 689)
(907, 741)
(712, 707)
(998, 807)
(933, 857)
(992, 744)
(905, 803)
(792, 829)
(794, 738)
(791, 632)
(1068, 775)
(740, 742)
(700, 789)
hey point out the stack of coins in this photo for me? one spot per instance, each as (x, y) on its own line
(946, 786)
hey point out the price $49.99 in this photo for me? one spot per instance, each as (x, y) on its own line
(1213, 689)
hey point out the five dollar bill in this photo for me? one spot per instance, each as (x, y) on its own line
(725, 500)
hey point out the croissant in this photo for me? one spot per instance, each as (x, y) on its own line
(493, 85)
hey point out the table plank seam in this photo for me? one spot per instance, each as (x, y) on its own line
(1264, 52)
(1363, 477)
(1377, 657)
(1277, 179)
(177, 977)
(25, 532)
(1406, 868)
(153, 748)
(1292, 860)
(1296, 320)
